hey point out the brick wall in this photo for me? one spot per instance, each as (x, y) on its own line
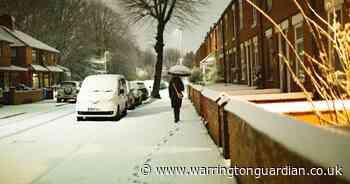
(6, 54)
(214, 121)
(22, 97)
(250, 148)
(196, 100)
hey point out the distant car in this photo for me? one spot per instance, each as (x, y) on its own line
(142, 87)
(163, 85)
(1, 97)
(135, 95)
(102, 96)
(22, 87)
(68, 90)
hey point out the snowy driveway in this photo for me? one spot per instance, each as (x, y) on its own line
(52, 147)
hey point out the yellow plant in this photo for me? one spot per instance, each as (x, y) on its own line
(330, 83)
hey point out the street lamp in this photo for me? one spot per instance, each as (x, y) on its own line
(180, 31)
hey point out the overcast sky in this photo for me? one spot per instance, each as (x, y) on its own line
(192, 35)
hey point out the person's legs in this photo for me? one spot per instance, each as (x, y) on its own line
(177, 114)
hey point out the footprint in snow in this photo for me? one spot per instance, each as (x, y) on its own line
(136, 175)
(148, 160)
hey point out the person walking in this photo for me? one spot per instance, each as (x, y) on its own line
(176, 87)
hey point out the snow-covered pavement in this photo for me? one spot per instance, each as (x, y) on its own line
(52, 147)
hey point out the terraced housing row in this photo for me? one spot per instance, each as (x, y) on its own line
(247, 46)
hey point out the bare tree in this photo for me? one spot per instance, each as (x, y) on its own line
(172, 57)
(179, 12)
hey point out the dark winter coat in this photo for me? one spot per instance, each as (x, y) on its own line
(175, 100)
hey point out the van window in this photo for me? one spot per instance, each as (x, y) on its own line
(99, 85)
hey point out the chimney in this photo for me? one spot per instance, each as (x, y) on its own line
(8, 21)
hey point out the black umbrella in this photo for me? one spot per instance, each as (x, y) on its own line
(180, 70)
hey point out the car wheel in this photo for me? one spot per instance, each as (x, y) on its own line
(117, 116)
(59, 100)
(125, 112)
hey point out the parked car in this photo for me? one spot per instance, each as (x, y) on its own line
(142, 87)
(68, 90)
(135, 95)
(102, 96)
(163, 85)
(1, 96)
(22, 87)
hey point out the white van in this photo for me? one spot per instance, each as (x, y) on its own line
(102, 96)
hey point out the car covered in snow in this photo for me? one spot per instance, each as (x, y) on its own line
(134, 95)
(141, 86)
(68, 90)
(102, 96)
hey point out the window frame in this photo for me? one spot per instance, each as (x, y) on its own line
(34, 56)
(331, 12)
(269, 5)
(254, 15)
(243, 63)
(233, 22)
(256, 57)
(241, 18)
(270, 51)
(297, 42)
(13, 55)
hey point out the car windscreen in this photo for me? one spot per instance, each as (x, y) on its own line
(68, 84)
(137, 85)
(99, 85)
(141, 85)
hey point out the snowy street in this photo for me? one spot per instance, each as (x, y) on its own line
(44, 144)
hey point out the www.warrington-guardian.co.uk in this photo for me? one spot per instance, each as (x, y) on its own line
(258, 172)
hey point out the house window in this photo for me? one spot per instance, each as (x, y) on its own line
(226, 28)
(335, 16)
(243, 63)
(1, 47)
(13, 55)
(46, 80)
(270, 59)
(299, 46)
(269, 5)
(248, 60)
(255, 15)
(36, 81)
(256, 59)
(34, 56)
(233, 22)
(240, 14)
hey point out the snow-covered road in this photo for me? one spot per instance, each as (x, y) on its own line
(51, 147)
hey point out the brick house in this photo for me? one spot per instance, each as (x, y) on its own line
(250, 44)
(26, 60)
(9, 72)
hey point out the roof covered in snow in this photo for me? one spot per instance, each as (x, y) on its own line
(7, 37)
(25, 39)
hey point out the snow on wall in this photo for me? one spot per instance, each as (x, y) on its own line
(326, 147)
(211, 94)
